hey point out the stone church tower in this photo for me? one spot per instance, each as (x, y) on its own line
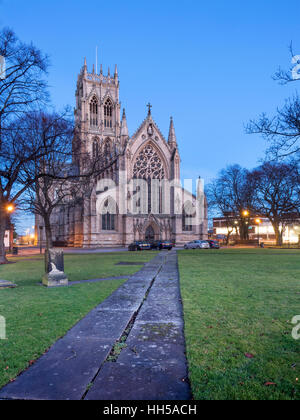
(139, 196)
(97, 113)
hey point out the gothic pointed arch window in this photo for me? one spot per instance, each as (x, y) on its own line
(94, 109)
(108, 113)
(107, 149)
(188, 213)
(149, 166)
(109, 212)
(95, 147)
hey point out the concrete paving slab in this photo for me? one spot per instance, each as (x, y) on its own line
(161, 344)
(102, 325)
(118, 382)
(63, 373)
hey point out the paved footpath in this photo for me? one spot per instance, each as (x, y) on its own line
(146, 312)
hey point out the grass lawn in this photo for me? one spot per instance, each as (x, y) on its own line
(36, 316)
(239, 302)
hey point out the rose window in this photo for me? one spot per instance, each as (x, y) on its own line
(148, 165)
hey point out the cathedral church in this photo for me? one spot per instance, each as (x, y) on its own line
(138, 197)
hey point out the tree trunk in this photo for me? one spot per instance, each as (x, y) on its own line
(49, 243)
(280, 241)
(278, 233)
(244, 231)
(48, 233)
(228, 238)
(3, 259)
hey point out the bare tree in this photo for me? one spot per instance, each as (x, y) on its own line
(287, 76)
(18, 151)
(219, 204)
(231, 195)
(282, 130)
(23, 83)
(63, 175)
(21, 87)
(51, 173)
(276, 194)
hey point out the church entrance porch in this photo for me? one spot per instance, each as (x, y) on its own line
(150, 234)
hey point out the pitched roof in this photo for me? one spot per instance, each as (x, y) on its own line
(146, 121)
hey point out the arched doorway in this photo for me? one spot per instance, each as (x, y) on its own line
(150, 234)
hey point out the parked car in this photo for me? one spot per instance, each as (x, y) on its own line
(214, 244)
(162, 245)
(139, 246)
(197, 245)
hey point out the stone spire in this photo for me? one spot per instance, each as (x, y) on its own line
(101, 69)
(124, 127)
(108, 73)
(172, 136)
(116, 75)
(85, 66)
(200, 202)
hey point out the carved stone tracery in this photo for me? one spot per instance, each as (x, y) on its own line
(148, 165)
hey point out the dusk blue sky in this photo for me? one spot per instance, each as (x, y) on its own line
(208, 64)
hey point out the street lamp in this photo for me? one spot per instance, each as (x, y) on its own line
(10, 208)
(245, 214)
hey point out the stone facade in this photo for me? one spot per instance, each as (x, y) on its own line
(148, 156)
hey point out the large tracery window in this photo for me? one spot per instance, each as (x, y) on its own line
(108, 112)
(94, 112)
(148, 166)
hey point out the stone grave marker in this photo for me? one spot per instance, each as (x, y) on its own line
(55, 275)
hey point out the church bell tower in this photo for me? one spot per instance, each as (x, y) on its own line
(97, 112)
